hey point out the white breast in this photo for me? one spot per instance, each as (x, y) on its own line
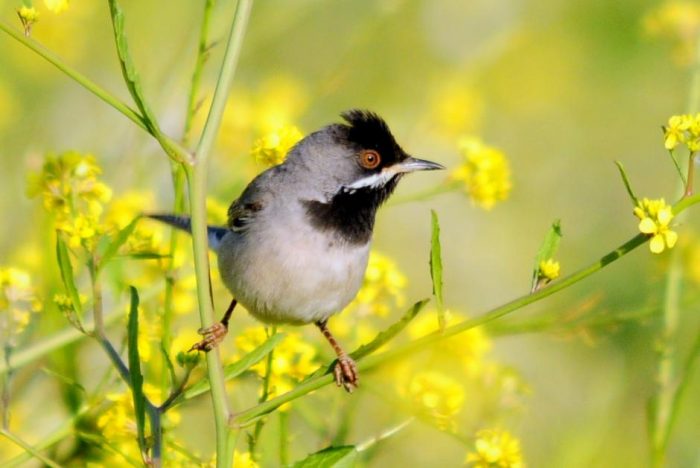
(294, 275)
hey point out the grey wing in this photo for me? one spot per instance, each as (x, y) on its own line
(252, 201)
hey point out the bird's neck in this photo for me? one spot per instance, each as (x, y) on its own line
(349, 214)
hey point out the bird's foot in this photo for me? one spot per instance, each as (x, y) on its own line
(346, 373)
(212, 336)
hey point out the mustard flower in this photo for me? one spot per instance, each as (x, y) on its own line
(485, 173)
(549, 269)
(292, 359)
(437, 396)
(655, 217)
(28, 16)
(675, 131)
(18, 301)
(383, 288)
(495, 448)
(679, 21)
(272, 148)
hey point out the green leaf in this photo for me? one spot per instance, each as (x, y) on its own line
(335, 457)
(626, 181)
(235, 369)
(67, 276)
(66, 380)
(131, 77)
(148, 256)
(436, 267)
(135, 368)
(548, 249)
(113, 247)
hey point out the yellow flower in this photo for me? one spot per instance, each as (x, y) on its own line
(485, 173)
(495, 448)
(382, 289)
(674, 132)
(468, 348)
(292, 359)
(56, 6)
(655, 217)
(18, 301)
(455, 108)
(80, 230)
(272, 148)
(28, 16)
(679, 21)
(549, 269)
(243, 460)
(436, 395)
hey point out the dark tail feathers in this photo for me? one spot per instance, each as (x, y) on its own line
(214, 233)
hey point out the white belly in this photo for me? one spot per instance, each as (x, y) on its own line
(297, 278)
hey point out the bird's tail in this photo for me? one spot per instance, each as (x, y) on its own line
(214, 233)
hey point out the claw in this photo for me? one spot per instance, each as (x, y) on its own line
(212, 336)
(345, 373)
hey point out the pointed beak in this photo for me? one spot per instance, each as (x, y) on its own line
(411, 164)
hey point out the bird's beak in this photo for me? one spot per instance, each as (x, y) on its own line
(411, 164)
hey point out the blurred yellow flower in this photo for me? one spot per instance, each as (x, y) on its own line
(485, 173)
(56, 6)
(436, 395)
(243, 460)
(467, 348)
(679, 21)
(292, 359)
(280, 101)
(655, 217)
(674, 132)
(495, 448)
(455, 108)
(549, 269)
(271, 149)
(79, 230)
(18, 301)
(382, 289)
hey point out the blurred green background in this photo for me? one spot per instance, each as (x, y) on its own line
(564, 88)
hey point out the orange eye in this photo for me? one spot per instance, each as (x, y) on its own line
(369, 159)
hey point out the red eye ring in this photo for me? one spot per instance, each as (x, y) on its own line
(370, 159)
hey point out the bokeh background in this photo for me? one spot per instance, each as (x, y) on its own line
(562, 88)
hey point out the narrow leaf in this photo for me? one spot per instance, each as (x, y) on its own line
(335, 457)
(677, 166)
(548, 249)
(135, 368)
(626, 181)
(131, 77)
(235, 369)
(113, 247)
(436, 268)
(67, 275)
(66, 380)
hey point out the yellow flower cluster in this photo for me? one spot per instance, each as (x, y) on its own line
(56, 6)
(271, 149)
(495, 448)
(18, 301)
(679, 21)
(455, 107)
(485, 173)
(549, 269)
(292, 359)
(71, 190)
(438, 396)
(28, 16)
(655, 217)
(683, 129)
(383, 288)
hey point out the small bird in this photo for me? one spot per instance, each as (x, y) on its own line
(296, 245)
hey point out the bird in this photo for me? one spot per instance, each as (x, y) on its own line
(297, 242)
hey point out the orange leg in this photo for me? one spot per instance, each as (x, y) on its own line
(215, 334)
(345, 369)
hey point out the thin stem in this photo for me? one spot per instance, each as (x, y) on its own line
(264, 395)
(284, 438)
(19, 442)
(371, 361)
(691, 175)
(84, 81)
(197, 180)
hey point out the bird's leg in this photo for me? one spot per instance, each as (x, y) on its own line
(345, 369)
(213, 335)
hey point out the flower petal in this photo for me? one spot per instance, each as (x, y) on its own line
(657, 244)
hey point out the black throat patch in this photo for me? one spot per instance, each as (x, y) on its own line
(350, 214)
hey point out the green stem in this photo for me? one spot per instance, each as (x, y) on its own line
(284, 438)
(264, 395)
(691, 175)
(368, 362)
(84, 81)
(197, 181)
(19, 442)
